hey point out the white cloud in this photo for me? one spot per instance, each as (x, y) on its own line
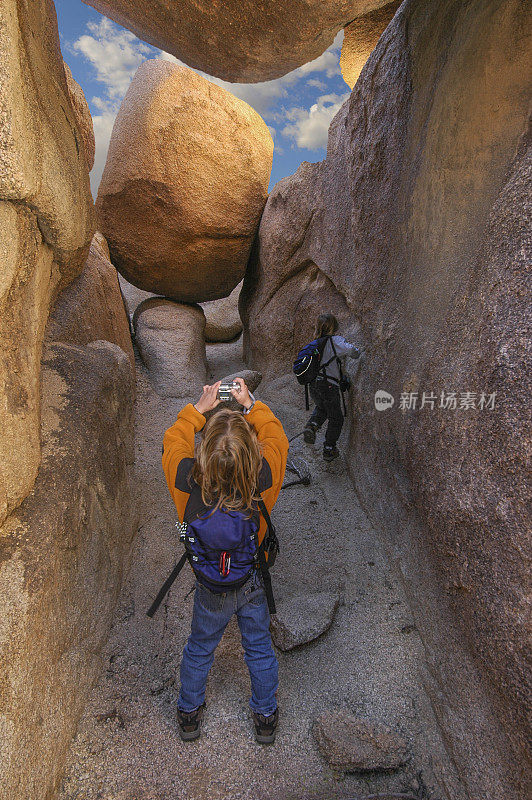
(115, 54)
(315, 83)
(310, 128)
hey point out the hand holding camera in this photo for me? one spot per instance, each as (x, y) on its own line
(209, 399)
(241, 393)
(220, 392)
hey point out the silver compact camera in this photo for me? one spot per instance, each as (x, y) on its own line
(224, 392)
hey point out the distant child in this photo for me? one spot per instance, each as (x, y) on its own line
(325, 389)
(241, 458)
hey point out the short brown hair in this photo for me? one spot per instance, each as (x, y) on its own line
(327, 325)
(228, 462)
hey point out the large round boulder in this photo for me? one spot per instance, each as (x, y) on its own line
(184, 185)
(239, 40)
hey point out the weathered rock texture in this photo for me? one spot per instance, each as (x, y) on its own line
(62, 557)
(303, 618)
(91, 308)
(223, 319)
(170, 338)
(184, 185)
(83, 116)
(240, 40)
(46, 219)
(133, 297)
(418, 224)
(358, 745)
(360, 39)
(283, 293)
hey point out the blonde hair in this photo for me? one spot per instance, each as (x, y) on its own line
(327, 325)
(228, 462)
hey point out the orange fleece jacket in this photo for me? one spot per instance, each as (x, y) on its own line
(178, 443)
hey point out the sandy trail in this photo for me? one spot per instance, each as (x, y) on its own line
(127, 747)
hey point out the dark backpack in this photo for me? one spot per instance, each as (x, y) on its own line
(222, 549)
(308, 366)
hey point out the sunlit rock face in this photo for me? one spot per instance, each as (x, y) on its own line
(184, 185)
(360, 39)
(238, 40)
(46, 220)
(83, 116)
(417, 228)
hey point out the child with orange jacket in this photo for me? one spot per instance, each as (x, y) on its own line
(242, 456)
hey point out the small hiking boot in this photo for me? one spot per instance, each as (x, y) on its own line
(330, 453)
(309, 433)
(265, 727)
(190, 723)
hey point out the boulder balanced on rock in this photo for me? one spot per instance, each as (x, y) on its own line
(184, 185)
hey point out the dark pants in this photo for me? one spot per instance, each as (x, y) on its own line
(326, 396)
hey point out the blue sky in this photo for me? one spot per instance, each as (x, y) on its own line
(298, 107)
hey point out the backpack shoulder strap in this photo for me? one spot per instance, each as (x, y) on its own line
(330, 360)
(263, 564)
(167, 585)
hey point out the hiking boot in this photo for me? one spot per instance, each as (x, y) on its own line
(265, 727)
(309, 433)
(330, 453)
(189, 723)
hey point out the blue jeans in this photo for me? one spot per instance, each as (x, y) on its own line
(210, 616)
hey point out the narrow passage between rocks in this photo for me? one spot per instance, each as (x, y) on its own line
(368, 663)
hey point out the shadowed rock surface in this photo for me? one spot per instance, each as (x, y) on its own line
(302, 618)
(354, 744)
(63, 554)
(239, 40)
(46, 220)
(170, 338)
(360, 39)
(91, 308)
(133, 297)
(223, 319)
(184, 184)
(420, 230)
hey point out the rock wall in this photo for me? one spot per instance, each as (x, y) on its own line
(239, 40)
(62, 558)
(417, 226)
(91, 308)
(46, 218)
